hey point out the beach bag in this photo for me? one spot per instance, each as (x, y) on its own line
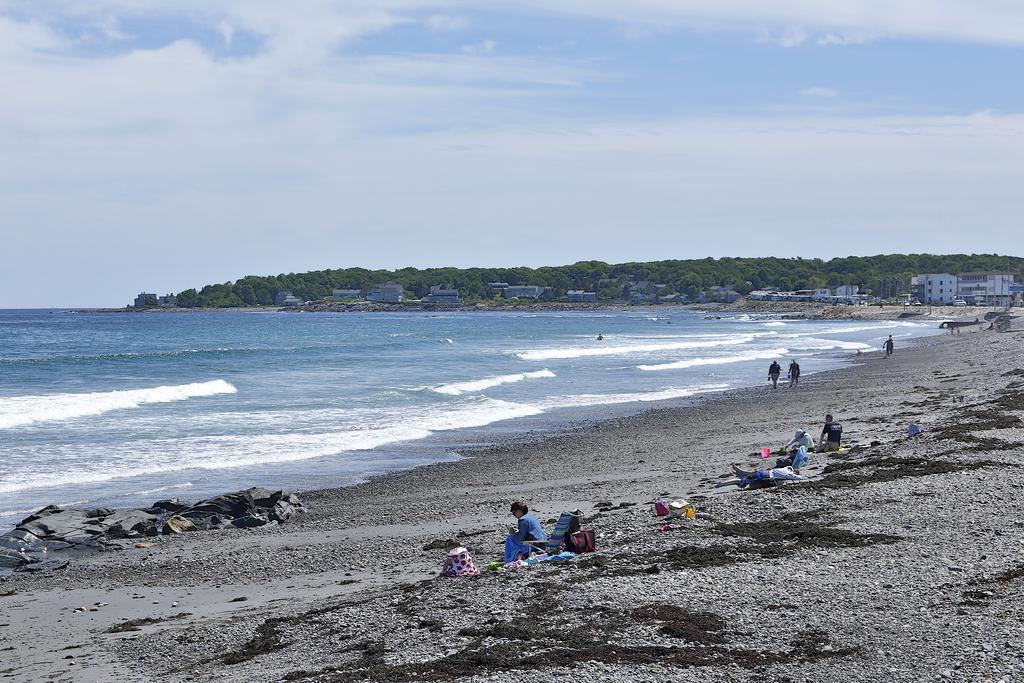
(583, 541)
(800, 458)
(660, 508)
(459, 563)
(680, 508)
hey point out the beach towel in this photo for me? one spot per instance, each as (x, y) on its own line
(800, 458)
(459, 563)
(515, 550)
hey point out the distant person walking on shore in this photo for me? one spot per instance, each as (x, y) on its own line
(831, 435)
(794, 373)
(887, 346)
(774, 370)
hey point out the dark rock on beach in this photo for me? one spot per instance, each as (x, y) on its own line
(51, 537)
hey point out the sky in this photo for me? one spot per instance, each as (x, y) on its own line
(153, 145)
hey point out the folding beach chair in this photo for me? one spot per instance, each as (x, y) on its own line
(568, 523)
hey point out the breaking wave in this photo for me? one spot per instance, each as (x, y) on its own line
(577, 352)
(717, 360)
(19, 411)
(472, 386)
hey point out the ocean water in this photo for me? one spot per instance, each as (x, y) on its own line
(124, 409)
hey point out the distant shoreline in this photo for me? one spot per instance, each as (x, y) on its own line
(788, 310)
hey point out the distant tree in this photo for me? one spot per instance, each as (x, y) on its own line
(885, 275)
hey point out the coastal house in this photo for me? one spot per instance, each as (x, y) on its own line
(985, 289)
(934, 288)
(846, 290)
(497, 287)
(524, 291)
(725, 294)
(286, 298)
(146, 299)
(346, 293)
(444, 295)
(391, 293)
(168, 301)
(578, 296)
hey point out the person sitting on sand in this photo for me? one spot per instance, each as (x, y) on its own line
(831, 435)
(774, 370)
(794, 373)
(800, 438)
(527, 529)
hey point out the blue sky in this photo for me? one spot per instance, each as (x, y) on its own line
(162, 145)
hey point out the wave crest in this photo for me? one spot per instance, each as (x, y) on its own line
(19, 411)
(472, 386)
(718, 360)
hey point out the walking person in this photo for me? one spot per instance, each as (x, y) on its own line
(888, 345)
(831, 435)
(794, 373)
(774, 370)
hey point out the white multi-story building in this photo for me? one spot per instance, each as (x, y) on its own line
(935, 288)
(985, 289)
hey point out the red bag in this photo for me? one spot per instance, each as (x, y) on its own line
(583, 541)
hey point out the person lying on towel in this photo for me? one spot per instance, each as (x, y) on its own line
(518, 544)
(761, 477)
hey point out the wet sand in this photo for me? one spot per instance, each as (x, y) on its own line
(902, 562)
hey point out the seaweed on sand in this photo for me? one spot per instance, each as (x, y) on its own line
(802, 534)
(553, 642)
(842, 475)
(134, 624)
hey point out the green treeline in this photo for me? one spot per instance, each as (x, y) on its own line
(885, 276)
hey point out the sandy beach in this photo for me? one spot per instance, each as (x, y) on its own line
(904, 561)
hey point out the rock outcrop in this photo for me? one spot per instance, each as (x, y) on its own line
(53, 536)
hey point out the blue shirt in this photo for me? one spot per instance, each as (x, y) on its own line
(529, 530)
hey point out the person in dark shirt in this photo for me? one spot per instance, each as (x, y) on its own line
(774, 370)
(527, 530)
(887, 346)
(794, 373)
(831, 435)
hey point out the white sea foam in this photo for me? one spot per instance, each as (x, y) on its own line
(716, 360)
(582, 400)
(19, 411)
(472, 386)
(161, 489)
(613, 350)
(150, 457)
(775, 323)
(813, 343)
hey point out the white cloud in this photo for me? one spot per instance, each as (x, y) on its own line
(227, 32)
(484, 47)
(819, 92)
(985, 21)
(301, 154)
(446, 22)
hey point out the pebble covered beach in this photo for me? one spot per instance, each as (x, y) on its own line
(902, 561)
